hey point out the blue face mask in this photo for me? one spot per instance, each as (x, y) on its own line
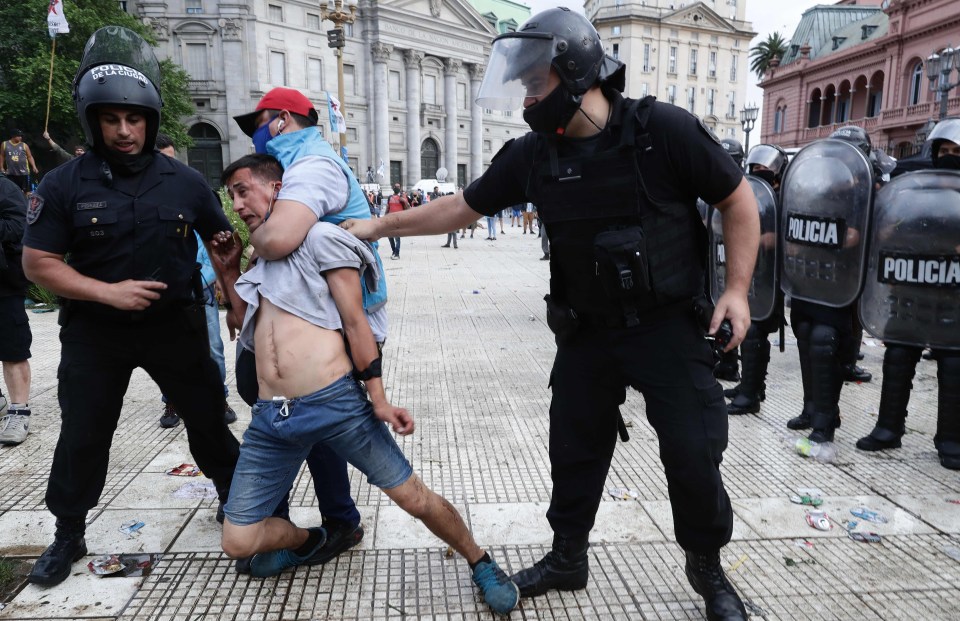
(262, 136)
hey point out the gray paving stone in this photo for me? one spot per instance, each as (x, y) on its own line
(473, 368)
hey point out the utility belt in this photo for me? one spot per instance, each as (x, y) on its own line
(565, 322)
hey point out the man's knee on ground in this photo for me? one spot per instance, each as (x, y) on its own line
(240, 541)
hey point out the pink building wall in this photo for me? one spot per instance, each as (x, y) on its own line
(809, 90)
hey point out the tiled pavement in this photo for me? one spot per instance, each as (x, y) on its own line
(469, 354)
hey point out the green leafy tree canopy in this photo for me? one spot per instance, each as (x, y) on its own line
(25, 69)
(775, 46)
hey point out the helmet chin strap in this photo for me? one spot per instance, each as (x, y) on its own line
(592, 122)
(571, 105)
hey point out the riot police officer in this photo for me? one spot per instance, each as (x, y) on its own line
(824, 254)
(728, 367)
(126, 218)
(616, 182)
(766, 164)
(908, 272)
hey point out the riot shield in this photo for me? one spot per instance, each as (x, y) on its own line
(826, 196)
(765, 283)
(911, 294)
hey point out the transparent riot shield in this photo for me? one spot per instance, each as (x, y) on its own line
(911, 294)
(826, 201)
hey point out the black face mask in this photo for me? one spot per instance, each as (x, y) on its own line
(767, 175)
(552, 113)
(948, 162)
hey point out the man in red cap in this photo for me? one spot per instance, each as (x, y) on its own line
(317, 185)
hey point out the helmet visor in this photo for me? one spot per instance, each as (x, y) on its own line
(115, 45)
(766, 156)
(518, 68)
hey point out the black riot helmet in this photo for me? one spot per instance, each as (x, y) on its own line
(856, 136)
(118, 68)
(734, 149)
(947, 130)
(557, 38)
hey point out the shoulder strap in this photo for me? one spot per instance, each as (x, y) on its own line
(635, 124)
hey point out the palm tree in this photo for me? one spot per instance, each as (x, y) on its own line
(762, 53)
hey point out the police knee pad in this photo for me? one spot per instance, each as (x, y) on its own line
(801, 329)
(824, 341)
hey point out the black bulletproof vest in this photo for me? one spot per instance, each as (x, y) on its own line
(582, 196)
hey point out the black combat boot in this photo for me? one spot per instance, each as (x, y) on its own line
(726, 369)
(802, 331)
(947, 439)
(565, 568)
(68, 546)
(856, 373)
(708, 580)
(754, 356)
(899, 367)
(826, 383)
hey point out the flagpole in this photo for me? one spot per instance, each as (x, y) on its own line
(53, 49)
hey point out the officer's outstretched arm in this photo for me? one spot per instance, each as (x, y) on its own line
(283, 230)
(48, 270)
(441, 215)
(741, 235)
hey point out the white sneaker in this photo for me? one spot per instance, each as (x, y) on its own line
(14, 428)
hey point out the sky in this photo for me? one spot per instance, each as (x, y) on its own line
(765, 17)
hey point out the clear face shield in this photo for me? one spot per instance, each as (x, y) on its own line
(766, 156)
(519, 67)
(114, 45)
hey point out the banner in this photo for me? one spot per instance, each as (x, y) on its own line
(337, 123)
(56, 20)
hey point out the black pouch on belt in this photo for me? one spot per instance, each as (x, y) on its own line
(621, 256)
(561, 319)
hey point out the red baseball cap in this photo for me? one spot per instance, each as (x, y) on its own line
(279, 98)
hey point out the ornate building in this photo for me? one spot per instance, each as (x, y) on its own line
(860, 63)
(690, 54)
(412, 69)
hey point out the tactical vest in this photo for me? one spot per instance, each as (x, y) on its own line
(595, 206)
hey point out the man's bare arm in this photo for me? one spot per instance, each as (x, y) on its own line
(225, 252)
(741, 236)
(440, 215)
(48, 270)
(36, 170)
(344, 286)
(283, 230)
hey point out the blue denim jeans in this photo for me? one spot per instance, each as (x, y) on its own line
(491, 227)
(282, 433)
(213, 332)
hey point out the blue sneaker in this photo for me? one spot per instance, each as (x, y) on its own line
(500, 593)
(272, 563)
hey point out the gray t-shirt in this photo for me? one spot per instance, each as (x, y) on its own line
(316, 182)
(297, 285)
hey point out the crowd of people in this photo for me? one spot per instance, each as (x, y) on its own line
(627, 285)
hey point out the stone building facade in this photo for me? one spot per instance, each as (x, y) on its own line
(861, 63)
(412, 69)
(691, 54)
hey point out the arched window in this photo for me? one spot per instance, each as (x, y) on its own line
(429, 158)
(916, 85)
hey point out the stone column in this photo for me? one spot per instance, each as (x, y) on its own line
(237, 92)
(476, 123)
(451, 67)
(381, 113)
(412, 60)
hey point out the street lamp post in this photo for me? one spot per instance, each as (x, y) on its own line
(748, 116)
(333, 11)
(939, 68)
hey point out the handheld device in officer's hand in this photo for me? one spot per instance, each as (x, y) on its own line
(721, 338)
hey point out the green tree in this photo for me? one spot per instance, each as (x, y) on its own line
(25, 68)
(775, 46)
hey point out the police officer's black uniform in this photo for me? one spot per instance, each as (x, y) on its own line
(627, 260)
(116, 223)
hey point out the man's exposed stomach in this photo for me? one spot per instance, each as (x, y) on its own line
(295, 357)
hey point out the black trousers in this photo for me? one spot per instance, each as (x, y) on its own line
(97, 360)
(671, 364)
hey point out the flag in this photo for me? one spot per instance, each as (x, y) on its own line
(380, 169)
(337, 123)
(56, 20)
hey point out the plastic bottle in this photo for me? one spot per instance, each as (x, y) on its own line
(823, 452)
